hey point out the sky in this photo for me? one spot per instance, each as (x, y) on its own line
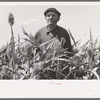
(74, 16)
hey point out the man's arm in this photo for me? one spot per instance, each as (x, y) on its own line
(65, 41)
(37, 38)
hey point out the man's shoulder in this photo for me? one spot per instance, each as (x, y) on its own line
(62, 29)
(42, 29)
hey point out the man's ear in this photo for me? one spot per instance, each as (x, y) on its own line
(58, 18)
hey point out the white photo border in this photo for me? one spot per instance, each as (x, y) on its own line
(49, 88)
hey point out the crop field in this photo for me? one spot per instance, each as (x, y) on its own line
(24, 60)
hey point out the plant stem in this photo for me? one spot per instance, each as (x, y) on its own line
(13, 51)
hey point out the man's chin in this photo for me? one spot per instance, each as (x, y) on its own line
(50, 23)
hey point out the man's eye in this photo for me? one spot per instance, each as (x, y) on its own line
(48, 15)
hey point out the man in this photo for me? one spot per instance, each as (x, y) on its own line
(52, 30)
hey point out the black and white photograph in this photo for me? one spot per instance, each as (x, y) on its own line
(49, 49)
(49, 42)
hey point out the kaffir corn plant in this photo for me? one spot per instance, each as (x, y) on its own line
(12, 43)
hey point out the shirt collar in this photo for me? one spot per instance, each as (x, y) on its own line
(48, 31)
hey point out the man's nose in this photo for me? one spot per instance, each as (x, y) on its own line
(51, 17)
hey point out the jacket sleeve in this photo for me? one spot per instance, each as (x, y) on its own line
(67, 42)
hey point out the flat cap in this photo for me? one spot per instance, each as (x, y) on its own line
(52, 9)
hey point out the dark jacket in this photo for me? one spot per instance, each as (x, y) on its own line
(44, 35)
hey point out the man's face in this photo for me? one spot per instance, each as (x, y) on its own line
(52, 18)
